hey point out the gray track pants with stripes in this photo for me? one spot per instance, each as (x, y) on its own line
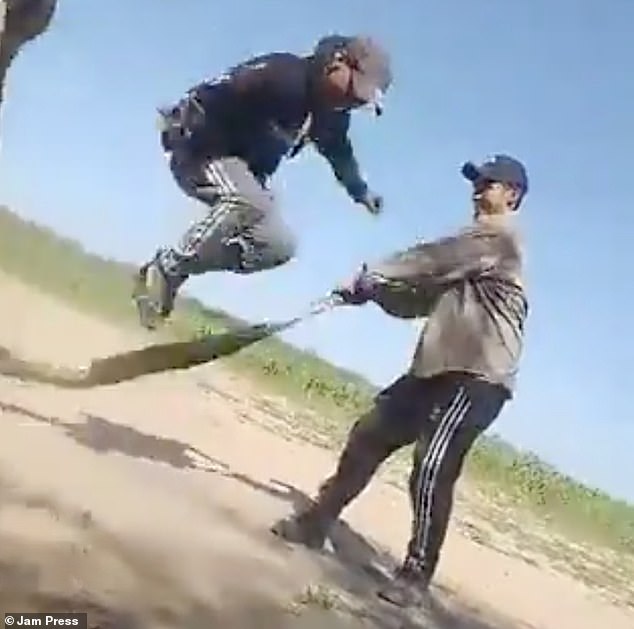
(242, 230)
(443, 416)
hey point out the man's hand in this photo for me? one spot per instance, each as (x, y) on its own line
(372, 202)
(356, 292)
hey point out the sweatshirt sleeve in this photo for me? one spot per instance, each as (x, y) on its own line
(408, 283)
(330, 135)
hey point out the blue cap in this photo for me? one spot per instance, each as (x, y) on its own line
(500, 168)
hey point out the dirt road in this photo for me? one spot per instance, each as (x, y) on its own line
(148, 505)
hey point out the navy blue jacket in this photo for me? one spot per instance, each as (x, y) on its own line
(262, 111)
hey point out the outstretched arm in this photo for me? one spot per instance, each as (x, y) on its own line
(330, 135)
(408, 283)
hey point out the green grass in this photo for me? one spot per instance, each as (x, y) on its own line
(62, 268)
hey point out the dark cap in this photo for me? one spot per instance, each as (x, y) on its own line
(500, 168)
(370, 63)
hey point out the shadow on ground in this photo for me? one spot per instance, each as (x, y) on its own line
(103, 436)
(30, 581)
(359, 568)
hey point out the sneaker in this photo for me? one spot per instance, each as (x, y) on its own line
(302, 530)
(152, 295)
(409, 587)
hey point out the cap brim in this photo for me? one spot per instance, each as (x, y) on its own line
(367, 92)
(473, 173)
(470, 171)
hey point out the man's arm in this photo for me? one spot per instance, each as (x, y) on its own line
(330, 135)
(408, 283)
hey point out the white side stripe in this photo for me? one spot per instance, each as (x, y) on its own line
(432, 463)
(217, 176)
(216, 172)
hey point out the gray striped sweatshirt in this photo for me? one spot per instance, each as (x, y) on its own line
(470, 288)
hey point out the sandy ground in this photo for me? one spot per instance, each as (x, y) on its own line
(148, 504)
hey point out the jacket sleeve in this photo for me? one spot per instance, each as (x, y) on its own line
(330, 135)
(409, 283)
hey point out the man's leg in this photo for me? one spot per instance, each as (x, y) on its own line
(463, 408)
(391, 424)
(241, 232)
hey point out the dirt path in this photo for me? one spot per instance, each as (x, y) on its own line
(148, 505)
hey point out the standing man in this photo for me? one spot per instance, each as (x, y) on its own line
(469, 286)
(227, 137)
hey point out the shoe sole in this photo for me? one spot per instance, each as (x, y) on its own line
(148, 316)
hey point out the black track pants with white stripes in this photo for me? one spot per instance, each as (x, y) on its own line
(443, 416)
(241, 229)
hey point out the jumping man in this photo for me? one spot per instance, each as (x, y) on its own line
(469, 286)
(227, 137)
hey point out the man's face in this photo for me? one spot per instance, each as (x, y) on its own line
(493, 197)
(335, 88)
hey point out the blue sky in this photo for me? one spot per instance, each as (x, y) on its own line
(548, 82)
